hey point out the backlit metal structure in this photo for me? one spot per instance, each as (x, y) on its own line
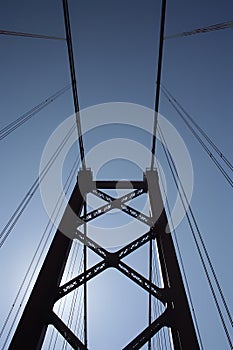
(39, 313)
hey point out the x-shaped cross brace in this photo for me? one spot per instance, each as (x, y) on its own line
(117, 203)
(110, 259)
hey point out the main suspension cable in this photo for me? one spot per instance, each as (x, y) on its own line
(206, 149)
(30, 35)
(8, 129)
(184, 199)
(73, 80)
(159, 71)
(212, 28)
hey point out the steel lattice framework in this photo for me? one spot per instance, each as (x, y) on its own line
(39, 313)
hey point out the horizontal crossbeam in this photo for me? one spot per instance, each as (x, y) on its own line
(122, 185)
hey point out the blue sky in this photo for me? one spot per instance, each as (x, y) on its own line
(115, 47)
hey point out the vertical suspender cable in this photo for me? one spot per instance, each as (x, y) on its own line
(150, 295)
(85, 272)
(181, 260)
(184, 200)
(73, 80)
(159, 70)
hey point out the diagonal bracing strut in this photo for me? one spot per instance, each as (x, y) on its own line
(118, 203)
(114, 260)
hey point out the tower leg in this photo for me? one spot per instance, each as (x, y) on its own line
(33, 324)
(182, 327)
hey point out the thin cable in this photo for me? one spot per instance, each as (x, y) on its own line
(157, 304)
(162, 333)
(30, 35)
(85, 272)
(74, 299)
(206, 149)
(68, 276)
(202, 132)
(79, 317)
(79, 326)
(29, 195)
(27, 198)
(8, 129)
(74, 296)
(150, 295)
(200, 237)
(212, 28)
(54, 215)
(174, 174)
(197, 245)
(158, 307)
(181, 261)
(56, 209)
(54, 330)
(68, 272)
(159, 70)
(73, 79)
(60, 313)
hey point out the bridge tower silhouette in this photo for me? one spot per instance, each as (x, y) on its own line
(38, 313)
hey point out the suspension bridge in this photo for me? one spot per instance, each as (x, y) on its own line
(146, 288)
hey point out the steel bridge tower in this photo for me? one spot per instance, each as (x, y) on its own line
(38, 313)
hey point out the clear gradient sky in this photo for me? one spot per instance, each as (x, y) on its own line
(115, 48)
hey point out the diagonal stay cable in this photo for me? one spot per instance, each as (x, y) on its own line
(30, 35)
(199, 233)
(202, 132)
(54, 215)
(211, 28)
(206, 149)
(184, 199)
(8, 129)
(27, 198)
(181, 259)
